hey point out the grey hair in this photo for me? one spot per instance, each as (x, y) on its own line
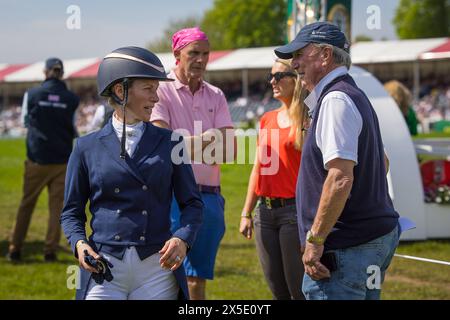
(340, 57)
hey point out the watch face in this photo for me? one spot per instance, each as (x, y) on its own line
(314, 239)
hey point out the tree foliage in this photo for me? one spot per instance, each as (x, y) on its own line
(362, 37)
(234, 24)
(164, 43)
(422, 19)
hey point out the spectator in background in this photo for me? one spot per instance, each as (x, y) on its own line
(185, 104)
(48, 113)
(11, 123)
(403, 97)
(275, 221)
(101, 117)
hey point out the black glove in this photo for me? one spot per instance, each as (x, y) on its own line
(101, 265)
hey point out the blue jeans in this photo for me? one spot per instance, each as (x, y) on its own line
(360, 273)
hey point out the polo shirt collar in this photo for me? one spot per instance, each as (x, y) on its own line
(312, 99)
(178, 84)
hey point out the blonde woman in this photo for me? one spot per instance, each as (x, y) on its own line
(273, 184)
(403, 97)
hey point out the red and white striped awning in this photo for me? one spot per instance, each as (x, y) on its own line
(440, 52)
(368, 52)
(78, 68)
(249, 58)
(34, 72)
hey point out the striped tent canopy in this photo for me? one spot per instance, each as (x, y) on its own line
(77, 68)
(248, 58)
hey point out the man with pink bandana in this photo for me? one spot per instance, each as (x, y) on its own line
(201, 111)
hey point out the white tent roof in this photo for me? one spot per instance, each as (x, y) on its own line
(250, 58)
(34, 72)
(392, 51)
(167, 59)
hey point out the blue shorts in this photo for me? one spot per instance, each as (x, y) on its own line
(201, 258)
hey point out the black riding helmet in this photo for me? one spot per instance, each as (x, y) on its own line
(128, 62)
(123, 64)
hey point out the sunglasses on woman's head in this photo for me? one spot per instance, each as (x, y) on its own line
(280, 75)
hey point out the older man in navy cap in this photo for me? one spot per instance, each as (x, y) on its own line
(346, 218)
(48, 112)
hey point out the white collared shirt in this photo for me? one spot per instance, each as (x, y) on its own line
(134, 133)
(339, 122)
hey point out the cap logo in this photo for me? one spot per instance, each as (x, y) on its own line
(128, 57)
(318, 34)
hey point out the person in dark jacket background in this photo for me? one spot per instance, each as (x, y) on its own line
(48, 111)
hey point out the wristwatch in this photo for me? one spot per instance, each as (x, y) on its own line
(80, 243)
(246, 215)
(311, 238)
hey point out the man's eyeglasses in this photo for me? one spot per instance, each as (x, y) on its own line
(280, 75)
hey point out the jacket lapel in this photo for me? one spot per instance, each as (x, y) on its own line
(148, 143)
(112, 144)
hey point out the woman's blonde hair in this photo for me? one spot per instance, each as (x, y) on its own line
(400, 94)
(115, 105)
(297, 111)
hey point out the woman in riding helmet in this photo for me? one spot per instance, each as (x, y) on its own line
(128, 172)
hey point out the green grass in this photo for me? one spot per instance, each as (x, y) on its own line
(238, 273)
(432, 135)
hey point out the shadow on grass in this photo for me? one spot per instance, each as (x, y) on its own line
(232, 267)
(33, 253)
(241, 272)
(407, 243)
(237, 246)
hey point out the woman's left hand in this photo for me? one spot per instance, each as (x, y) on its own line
(173, 254)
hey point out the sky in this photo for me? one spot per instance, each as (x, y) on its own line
(34, 30)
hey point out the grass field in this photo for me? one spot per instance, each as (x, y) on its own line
(238, 273)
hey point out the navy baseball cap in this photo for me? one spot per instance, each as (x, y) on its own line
(317, 32)
(54, 63)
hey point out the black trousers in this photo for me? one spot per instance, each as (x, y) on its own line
(278, 247)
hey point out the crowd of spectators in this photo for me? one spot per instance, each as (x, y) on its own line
(432, 106)
(10, 122)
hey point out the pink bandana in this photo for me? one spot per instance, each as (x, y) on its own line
(183, 37)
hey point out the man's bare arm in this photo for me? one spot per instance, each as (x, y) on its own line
(335, 193)
(220, 140)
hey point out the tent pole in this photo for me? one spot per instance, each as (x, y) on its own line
(416, 89)
(324, 11)
(245, 83)
(5, 96)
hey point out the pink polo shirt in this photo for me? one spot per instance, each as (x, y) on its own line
(179, 109)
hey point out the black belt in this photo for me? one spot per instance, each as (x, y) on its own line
(274, 203)
(209, 189)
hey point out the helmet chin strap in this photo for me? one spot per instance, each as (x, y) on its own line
(123, 103)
